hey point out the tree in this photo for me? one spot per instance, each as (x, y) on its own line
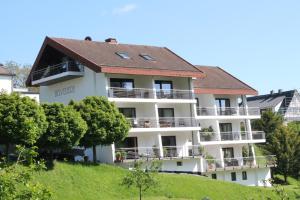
(140, 178)
(106, 124)
(21, 73)
(285, 144)
(268, 123)
(15, 180)
(65, 127)
(22, 120)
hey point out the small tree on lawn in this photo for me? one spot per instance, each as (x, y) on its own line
(65, 127)
(140, 178)
(16, 181)
(22, 120)
(285, 144)
(106, 124)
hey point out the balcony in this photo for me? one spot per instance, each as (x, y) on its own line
(174, 94)
(225, 112)
(233, 136)
(149, 95)
(56, 73)
(154, 152)
(168, 123)
(211, 165)
(143, 93)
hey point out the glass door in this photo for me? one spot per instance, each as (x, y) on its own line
(164, 89)
(169, 146)
(228, 155)
(226, 131)
(130, 114)
(223, 106)
(129, 146)
(122, 88)
(166, 117)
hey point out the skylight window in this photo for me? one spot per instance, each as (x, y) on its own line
(147, 57)
(123, 55)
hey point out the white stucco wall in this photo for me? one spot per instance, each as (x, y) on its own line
(6, 84)
(75, 89)
(255, 177)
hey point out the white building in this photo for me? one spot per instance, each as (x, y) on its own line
(169, 102)
(5, 80)
(6, 85)
(285, 103)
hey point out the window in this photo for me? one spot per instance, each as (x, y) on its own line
(147, 57)
(166, 112)
(244, 175)
(179, 164)
(228, 152)
(164, 89)
(169, 146)
(163, 85)
(197, 104)
(223, 103)
(226, 132)
(123, 55)
(128, 112)
(122, 83)
(233, 176)
(214, 176)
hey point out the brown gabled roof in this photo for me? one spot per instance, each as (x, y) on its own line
(218, 81)
(5, 72)
(101, 57)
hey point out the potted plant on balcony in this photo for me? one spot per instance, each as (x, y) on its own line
(200, 150)
(210, 161)
(155, 151)
(207, 133)
(120, 156)
(166, 152)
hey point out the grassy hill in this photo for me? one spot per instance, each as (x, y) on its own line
(77, 182)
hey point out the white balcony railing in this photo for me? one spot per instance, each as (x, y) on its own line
(146, 93)
(241, 162)
(231, 136)
(163, 122)
(174, 94)
(154, 152)
(227, 111)
(115, 92)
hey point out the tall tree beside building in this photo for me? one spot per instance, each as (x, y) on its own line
(106, 124)
(65, 127)
(285, 144)
(22, 120)
(268, 123)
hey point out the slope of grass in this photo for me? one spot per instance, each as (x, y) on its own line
(76, 182)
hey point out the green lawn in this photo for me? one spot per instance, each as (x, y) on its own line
(76, 181)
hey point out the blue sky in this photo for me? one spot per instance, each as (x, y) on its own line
(258, 41)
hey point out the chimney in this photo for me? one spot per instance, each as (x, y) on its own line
(88, 38)
(280, 91)
(111, 41)
(271, 92)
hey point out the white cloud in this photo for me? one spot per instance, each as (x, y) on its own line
(124, 9)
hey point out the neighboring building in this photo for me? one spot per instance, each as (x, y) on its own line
(5, 80)
(6, 85)
(25, 92)
(286, 103)
(170, 103)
